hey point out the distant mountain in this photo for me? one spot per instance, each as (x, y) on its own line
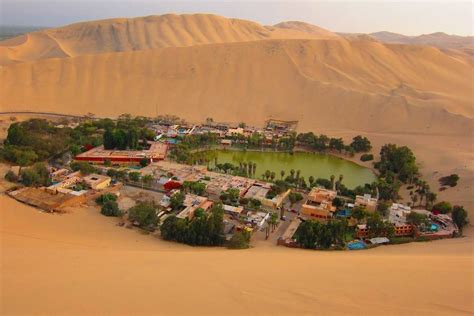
(441, 40)
(9, 31)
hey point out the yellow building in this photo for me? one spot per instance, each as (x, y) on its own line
(97, 181)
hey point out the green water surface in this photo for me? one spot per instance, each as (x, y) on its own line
(309, 164)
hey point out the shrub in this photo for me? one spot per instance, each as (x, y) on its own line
(361, 144)
(101, 200)
(110, 208)
(459, 216)
(295, 197)
(206, 230)
(240, 240)
(442, 207)
(145, 214)
(451, 180)
(84, 167)
(367, 157)
(134, 176)
(397, 161)
(144, 162)
(11, 176)
(176, 201)
(37, 175)
(417, 218)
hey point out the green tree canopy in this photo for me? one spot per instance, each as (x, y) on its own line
(145, 214)
(460, 217)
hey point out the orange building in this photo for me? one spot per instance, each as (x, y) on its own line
(318, 205)
(400, 231)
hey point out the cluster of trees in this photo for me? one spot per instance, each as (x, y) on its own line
(84, 167)
(133, 176)
(317, 235)
(144, 214)
(376, 225)
(397, 162)
(121, 138)
(177, 200)
(240, 240)
(203, 230)
(295, 197)
(230, 196)
(459, 216)
(36, 140)
(196, 187)
(109, 205)
(126, 133)
(33, 141)
(35, 176)
(443, 207)
(323, 143)
(252, 204)
(257, 140)
(277, 188)
(422, 193)
(244, 169)
(185, 150)
(361, 144)
(417, 219)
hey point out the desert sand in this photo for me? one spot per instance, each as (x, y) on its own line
(81, 263)
(199, 66)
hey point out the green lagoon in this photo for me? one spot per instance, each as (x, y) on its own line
(310, 164)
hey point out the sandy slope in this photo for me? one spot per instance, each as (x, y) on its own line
(309, 80)
(170, 30)
(81, 263)
(449, 43)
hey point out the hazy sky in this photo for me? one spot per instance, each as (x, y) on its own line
(407, 17)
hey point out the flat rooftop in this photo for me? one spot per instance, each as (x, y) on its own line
(156, 151)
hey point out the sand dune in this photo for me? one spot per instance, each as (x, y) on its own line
(170, 30)
(81, 263)
(199, 66)
(450, 43)
(308, 80)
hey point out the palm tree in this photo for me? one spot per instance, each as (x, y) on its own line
(267, 174)
(282, 174)
(422, 188)
(430, 198)
(272, 176)
(332, 181)
(298, 174)
(339, 182)
(250, 166)
(311, 181)
(292, 173)
(254, 168)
